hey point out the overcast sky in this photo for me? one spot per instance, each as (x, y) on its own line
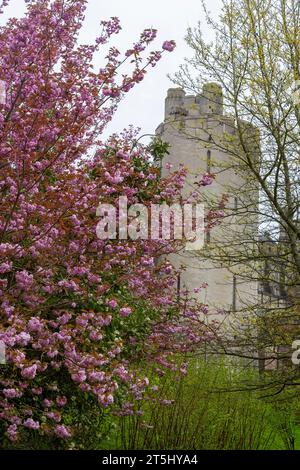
(144, 105)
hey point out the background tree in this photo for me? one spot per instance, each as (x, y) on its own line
(255, 56)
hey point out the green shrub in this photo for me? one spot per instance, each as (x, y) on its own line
(204, 412)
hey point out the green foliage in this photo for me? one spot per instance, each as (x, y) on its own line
(158, 149)
(205, 413)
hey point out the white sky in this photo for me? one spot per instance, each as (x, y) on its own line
(144, 105)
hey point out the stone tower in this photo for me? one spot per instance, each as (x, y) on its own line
(199, 133)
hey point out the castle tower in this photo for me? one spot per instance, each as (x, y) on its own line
(199, 133)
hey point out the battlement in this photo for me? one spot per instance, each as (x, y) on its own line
(209, 102)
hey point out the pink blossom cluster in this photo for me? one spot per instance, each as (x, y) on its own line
(206, 180)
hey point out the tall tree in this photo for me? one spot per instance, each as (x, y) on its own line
(77, 312)
(255, 56)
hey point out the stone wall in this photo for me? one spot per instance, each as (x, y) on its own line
(199, 132)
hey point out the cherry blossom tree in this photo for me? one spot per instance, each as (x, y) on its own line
(77, 312)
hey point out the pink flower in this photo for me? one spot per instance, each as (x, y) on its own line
(24, 280)
(166, 402)
(35, 324)
(95, 335)
(10, 392)
(106, 91)
(122, 155)
(169, 46)
(147, 261)
(112, 92)
(80, 376)
(204, 308)
(23, 338)
(31, 424)
(47, 403)
(206, 180)
(97, 376)
(125, 311)
(115, 179)
(61, 401)
(29, 372)
(112, 303)
(122, 373)
(12, 432)
(106, 400)
(55, 415)
(62, 431)
(4, 267)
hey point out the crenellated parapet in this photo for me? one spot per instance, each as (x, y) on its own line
(209, 102)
